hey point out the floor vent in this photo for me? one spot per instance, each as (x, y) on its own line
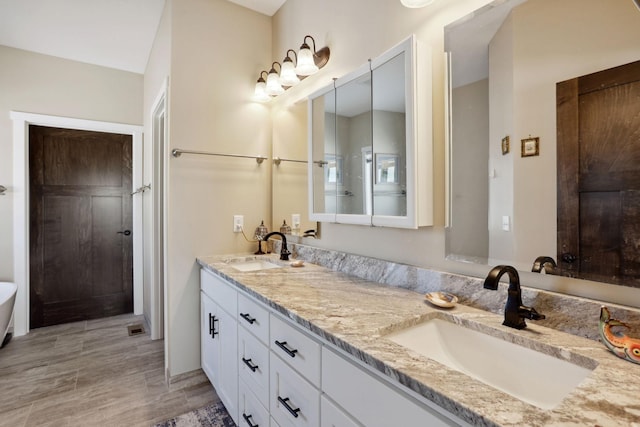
(135, 330)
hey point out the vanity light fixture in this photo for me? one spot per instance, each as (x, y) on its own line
(414, 4)
(260, 92)
(308, 62)
(273, 81)
(288, 76)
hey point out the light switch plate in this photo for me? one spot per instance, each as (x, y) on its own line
(506, 223)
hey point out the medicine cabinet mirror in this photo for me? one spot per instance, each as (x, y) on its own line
(505, 61)
(370, 152)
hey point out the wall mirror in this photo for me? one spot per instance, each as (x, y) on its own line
(505, 61)
(353, 122)
(369, 149)
(289, 171)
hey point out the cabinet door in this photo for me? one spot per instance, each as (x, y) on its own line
(323, 171)
(373, 402)
(332, 416)
(353, 142)
(252, 413)
(208, 344)
(297, 349)
(253, 359)
(294, 402)
(253, 317)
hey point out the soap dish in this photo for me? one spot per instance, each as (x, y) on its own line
(442, 299)
(297, 263)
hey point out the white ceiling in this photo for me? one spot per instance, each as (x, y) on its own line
(266, 7)
(111, 33)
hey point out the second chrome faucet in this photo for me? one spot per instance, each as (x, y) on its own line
(514, 311)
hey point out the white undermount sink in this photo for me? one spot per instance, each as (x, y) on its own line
(529, 375)
(253, 265)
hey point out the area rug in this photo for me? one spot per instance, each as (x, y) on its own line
(214, 415)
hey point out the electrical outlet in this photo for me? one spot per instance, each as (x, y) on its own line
(295, 221)
(238, 223)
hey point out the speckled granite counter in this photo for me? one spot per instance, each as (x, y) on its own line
(355, 314)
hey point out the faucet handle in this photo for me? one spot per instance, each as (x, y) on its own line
(530, 313)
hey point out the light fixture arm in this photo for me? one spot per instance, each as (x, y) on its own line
(287, 58)
(262, 79)
(273, 69)
(305, 45)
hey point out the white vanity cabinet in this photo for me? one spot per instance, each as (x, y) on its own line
(268, 371)
(219, 338)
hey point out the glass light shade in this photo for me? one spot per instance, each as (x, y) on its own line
(273, 84)
(288, 75)
(261, 231)
(306, 65)
(416, 3)
(260, 94)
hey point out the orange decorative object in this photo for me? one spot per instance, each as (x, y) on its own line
(620, 344)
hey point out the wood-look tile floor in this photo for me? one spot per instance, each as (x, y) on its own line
(93, 373)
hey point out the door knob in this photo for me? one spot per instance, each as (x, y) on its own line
(125, 232)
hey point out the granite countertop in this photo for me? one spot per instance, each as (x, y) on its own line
(355, 314)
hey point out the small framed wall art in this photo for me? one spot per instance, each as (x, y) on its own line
(530, 147)
(505, 145)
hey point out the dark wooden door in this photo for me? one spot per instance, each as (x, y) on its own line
(80, 250)
(598, 122)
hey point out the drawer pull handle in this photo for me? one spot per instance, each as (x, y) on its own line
(248, 318)
(293, 411)
(212, 326)
(250, 364)
(283, 346)
(247, 418)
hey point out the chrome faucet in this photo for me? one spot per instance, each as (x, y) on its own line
(544, 262)
(284, 251)
(514, 311)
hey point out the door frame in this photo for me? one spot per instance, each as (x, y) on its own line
(21, 122)
(158, 154)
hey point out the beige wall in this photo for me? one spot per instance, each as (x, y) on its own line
(35, 83)
(468, 233)
(217, 52)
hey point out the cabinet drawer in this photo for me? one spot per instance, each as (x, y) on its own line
(253, 360)
(332, 416)
(220, 291)
(294, 402)
(251, 411)
(370, 400)
(254, 317)
(297, 349)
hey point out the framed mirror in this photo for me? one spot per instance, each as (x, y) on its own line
(376, 154)
(506, 61)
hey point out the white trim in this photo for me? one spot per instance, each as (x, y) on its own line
(158, 238)
(21, 122)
